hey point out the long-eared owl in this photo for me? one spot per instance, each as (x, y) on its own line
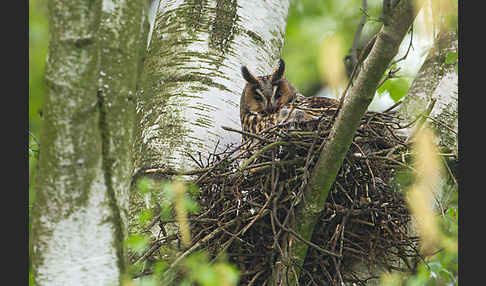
(271, 99)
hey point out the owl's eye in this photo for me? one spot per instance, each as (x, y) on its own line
(258, 95)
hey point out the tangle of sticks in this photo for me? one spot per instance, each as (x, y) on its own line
(248, 194)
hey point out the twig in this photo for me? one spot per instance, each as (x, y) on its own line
(390, 74)
(298, 236)
(172, 172)
(255, 277)
(262, 151)
(422, 119)
(441, 124)
(408, 49)
(259, 215)
(361, 58)
(353, 54)
(245, 133)
(393, 106)
(198, 244)
(154, 247)
(35, 139)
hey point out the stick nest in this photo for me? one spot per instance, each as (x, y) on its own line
(248, 197)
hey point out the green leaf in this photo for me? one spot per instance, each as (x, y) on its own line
(143, 185)
(227, 273)
(147, 281)
(416, 281)
(206, 274)
(452, 212)
(137, 242)
(145, 215)
(191, 206)
(167, 191)
(193, 189)
(396, 87)
(166, 210)
(31, 278)
(160, 267)
(185, 282)
(451, 58)
(435, 268)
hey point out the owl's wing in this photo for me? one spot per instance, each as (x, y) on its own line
(303, 109)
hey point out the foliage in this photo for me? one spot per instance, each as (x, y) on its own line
(439, 269)
(309, 24)
(196, 267)
(438, 232)
(396, 88)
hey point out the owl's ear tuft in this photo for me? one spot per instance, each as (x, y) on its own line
(279, 71)
(248, 76)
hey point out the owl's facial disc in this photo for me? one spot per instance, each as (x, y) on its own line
(264, 97)
(260, 99)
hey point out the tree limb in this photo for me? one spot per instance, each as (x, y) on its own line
(347, 122)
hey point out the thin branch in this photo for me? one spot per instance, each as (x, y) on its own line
(421, 120)
(261, 152)
(33, 137)
(351, 60)
(361, 58)
(299, 237)
(410, 46)
(348, 120)
(393, 106)
(171, 172)
(245, 133)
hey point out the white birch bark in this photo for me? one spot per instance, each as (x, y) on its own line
(192, 81)
(437, 81)
(79, 216)
(77, 245)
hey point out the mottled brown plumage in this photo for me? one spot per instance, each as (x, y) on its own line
(271, 99)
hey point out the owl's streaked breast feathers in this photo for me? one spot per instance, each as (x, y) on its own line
(272, 100)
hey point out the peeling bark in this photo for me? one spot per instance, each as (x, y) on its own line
(79, 216)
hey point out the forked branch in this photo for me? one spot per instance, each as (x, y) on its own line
(347, 122)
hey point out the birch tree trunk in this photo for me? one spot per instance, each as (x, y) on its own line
(433, 95)
(192, 82)
(79, 218)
